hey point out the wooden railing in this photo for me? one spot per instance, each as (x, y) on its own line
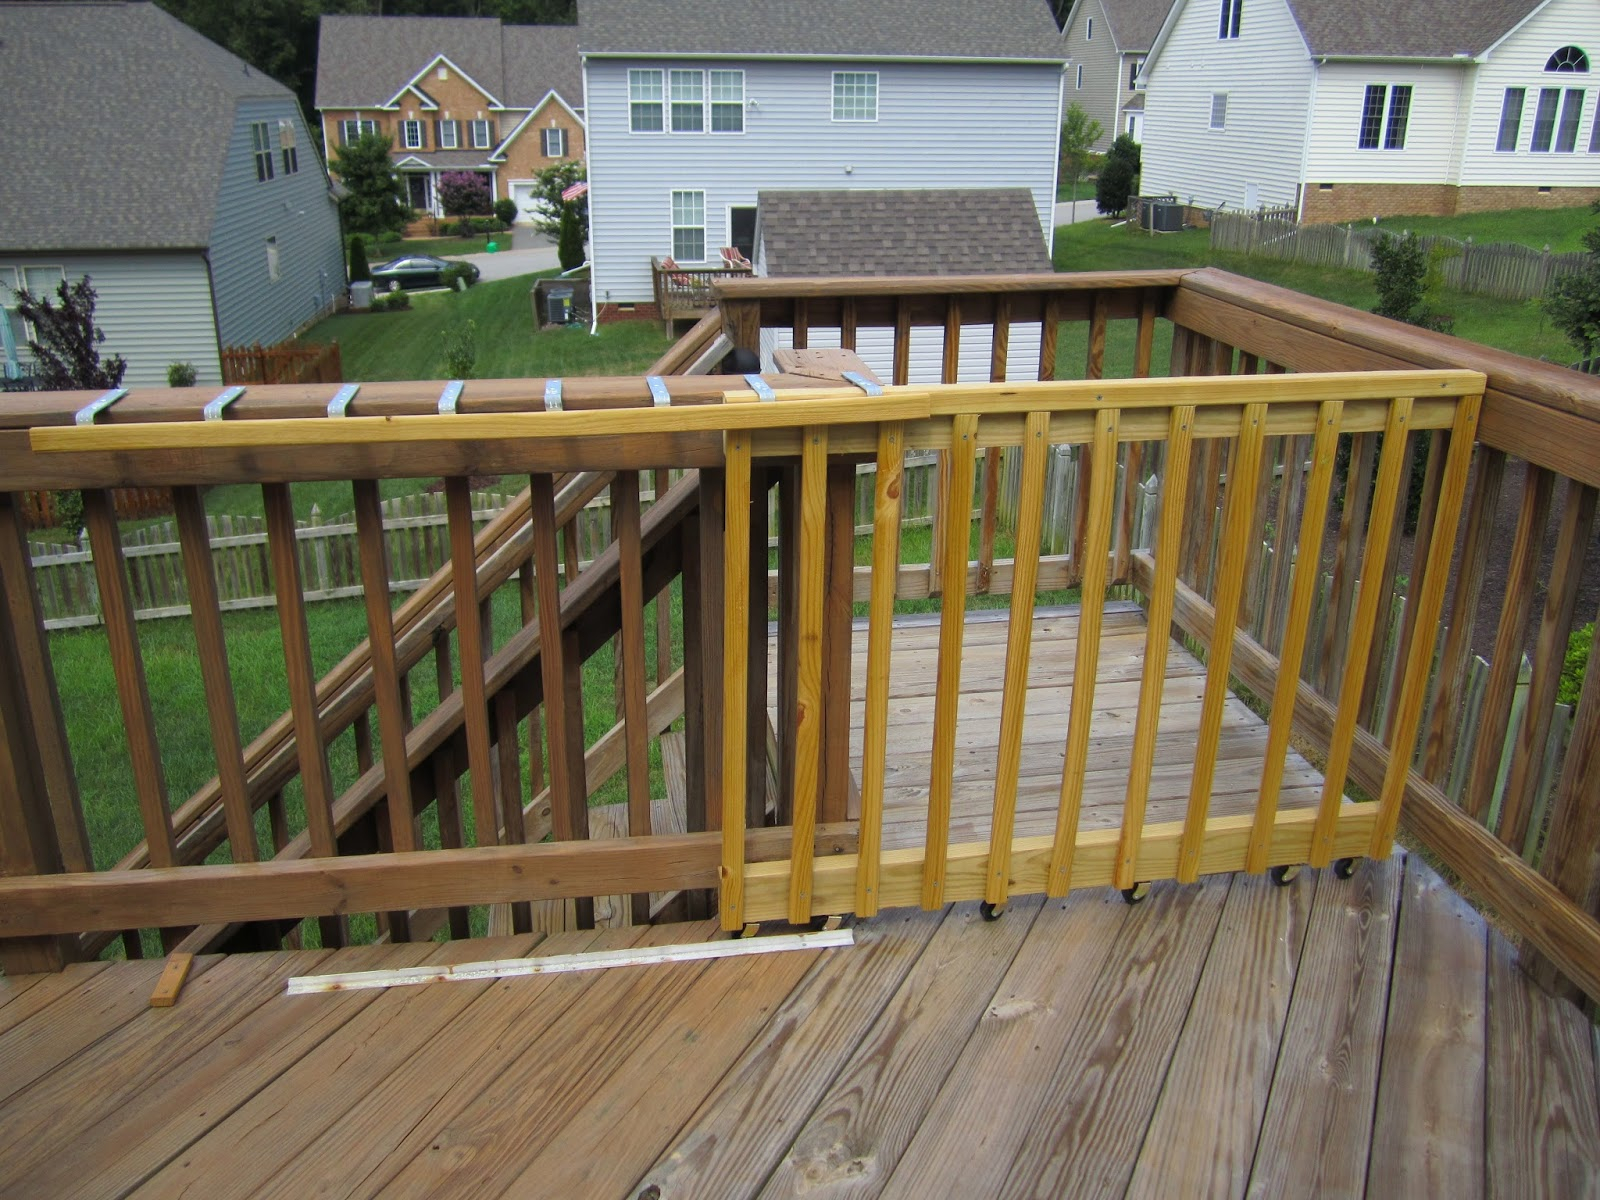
(688, 291)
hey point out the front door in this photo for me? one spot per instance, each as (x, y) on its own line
(742, 229)
(417, 191)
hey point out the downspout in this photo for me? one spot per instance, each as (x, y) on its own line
(1305, 143)
(594, 290)
(1055, 172)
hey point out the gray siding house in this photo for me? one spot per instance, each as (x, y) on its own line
(689, 119)
(1106, 45)
(184, 183)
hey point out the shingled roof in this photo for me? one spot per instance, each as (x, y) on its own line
(1410, 29)
(117, 125)
(963, 29)
(1134, 23)
(363, 61)
(944, 231)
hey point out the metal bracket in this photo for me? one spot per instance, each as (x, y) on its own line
(215, 409)
(761, 388)
(862, 382)
(450, 397)
(658, 391)
(98, 405)
(339, 406)
(552, 395)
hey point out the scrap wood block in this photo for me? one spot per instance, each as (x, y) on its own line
(172, 980)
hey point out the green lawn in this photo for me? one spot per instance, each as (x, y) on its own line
(443, 247)
(1561, 229)
(1101, 245)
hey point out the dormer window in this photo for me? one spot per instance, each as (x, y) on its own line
(1228, 26)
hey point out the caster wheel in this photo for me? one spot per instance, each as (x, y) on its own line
(1285, 875)
(1136, 893)
(1345, 867)
(989, 912)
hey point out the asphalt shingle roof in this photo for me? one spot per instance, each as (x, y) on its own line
(363, 61)
(944, 231)
(117, 119)
(986, 29)
(1415, 28)
(1135, 23)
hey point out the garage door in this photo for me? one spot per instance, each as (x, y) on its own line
(523, 194)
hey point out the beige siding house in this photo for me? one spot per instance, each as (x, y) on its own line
(1106, 42)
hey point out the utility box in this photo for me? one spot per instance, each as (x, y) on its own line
(560, 302)
(558, 306)
(361, 295)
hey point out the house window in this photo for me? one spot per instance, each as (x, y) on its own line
(645, 113)
(261, 144)
(273, 268)
(286, 147)
(1219, 110)
(1375, 131)
(1088, 30)
(449, 134)
(689, 226)
(1594, 133)
(855, 95)
(482, 135)
(349, 131)
(411, 135)
(727, 101)
(554, 142)
(1567, 126)
(1080, 77)
(41, 281)
(688, 101)
(1510, 119)
(1228, 26)
(1544, 120)
(1568, 58)
(1134, 68)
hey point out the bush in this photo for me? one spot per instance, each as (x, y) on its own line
(460, 346)
(505, 211)
(569, 247)
(374, 197)
(457, 271)
(1577, 662)
(180, 374)
(464, 192)
(1119, 177)
(360, 272)
(69, 512)
(395, 301)
(1405, 275)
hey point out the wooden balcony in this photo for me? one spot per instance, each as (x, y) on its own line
(922, 655)
(688, 293)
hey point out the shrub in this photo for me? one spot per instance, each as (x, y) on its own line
(1406, 275)
(69, 511)
(1119, 177)
(395, 301)
(460, 345)
(569, 247)
(180, 374)
(505, 211)
(374, 197)
(1577, 662)
(360, 272)
(463, 192)
(457, 271)
(65, 347)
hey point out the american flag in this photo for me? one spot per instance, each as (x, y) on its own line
(576, 190)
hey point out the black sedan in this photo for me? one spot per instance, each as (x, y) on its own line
(415, 271)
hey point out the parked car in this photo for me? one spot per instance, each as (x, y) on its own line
(414, 271)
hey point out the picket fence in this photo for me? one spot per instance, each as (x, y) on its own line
(1501, 269)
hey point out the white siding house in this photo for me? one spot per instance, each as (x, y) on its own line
(687, 124)
(1346, 109)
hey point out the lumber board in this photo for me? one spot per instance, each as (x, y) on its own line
(23, 995)
(1202, 1136)
(1428, 1133)
(808, 670)
(1316, 1132)
(173, 976)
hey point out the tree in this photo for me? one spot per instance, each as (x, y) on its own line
(505, 211)
(1119, 176)
(569, 246)
(1406, 276)
(66, 341)
(360, 269)
(1573, 303)
(1079, 132)
(547, 201)
(374, 201)
(463, 193)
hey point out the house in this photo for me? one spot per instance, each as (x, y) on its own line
(689, 120)
(454, 94)
(1347, 109)
(210, 226)
(845, 233)
(1106, 45)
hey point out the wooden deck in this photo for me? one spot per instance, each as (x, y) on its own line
(1330, 1038)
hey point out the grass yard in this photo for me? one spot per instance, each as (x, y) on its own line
(1561, 229)
(1519, 326)
(440, 247)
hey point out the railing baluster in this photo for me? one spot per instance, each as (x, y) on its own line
(1352, 530)
(1244, 467)
(470, 643)
(756, 720)
(847, 323)
(902, 342)
(663, 602)
(736, 617)
(509, 767)
(952, 549)
(809, 734)
(1408, 713)
(880, 634)
(315, 779)
(630, 574)
(1374, 680)
(528, 609)
(838, 607)
(991, 457)
(1094, 366)
(1356, 642)
(446, 794)
(1504, 663)
(1019, 648)
(788, 634)
(802, 325)
(1145, 337)
(1549, 656)
(1307, 562)
(1049, 330)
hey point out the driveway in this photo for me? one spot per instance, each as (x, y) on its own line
(1085, 209)
(529, 252)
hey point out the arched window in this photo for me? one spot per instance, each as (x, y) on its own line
(1568, 58)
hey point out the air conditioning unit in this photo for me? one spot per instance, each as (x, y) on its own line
(558, 306)
(1166, 217)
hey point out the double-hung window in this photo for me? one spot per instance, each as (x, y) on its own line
(855, 95)
(1544, 120)
(349, 131)
(688, 101)
(1510, 119)
(689, 226)
(449, 135)
(261, 146)
(411, 135)
(1134, 68)
(645, 102)
(286, 147)
(1375, 130)
(482, 135)
(727, 101)
(554, 142)
(1228, 24)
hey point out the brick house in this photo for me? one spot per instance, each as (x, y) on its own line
(454, 94)
(1349, 109)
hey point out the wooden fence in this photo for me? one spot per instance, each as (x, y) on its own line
(287, 362)
(41, 510)
(1502, 269)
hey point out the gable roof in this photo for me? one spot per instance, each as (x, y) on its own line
(362, 62)
(895, 29)
(1410, 29)
(943, 231)
(86, 166)
(1134, 23)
